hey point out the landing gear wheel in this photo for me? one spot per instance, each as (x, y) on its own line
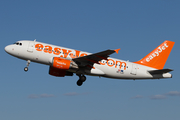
(26, 69)
(79, 82)
(83, 78)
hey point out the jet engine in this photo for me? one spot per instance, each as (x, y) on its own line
(63, 64)
(58, 72)
(62, 67)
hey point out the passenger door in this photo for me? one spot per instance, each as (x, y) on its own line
(30, 46)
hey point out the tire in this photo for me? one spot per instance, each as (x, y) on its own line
(79, 82)
(26, 69)
(83, 78)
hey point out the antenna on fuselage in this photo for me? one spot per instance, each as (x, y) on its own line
(34, 41)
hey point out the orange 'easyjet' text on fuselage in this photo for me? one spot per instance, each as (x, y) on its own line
(65, 53)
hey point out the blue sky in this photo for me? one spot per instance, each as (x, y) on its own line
(137, 27)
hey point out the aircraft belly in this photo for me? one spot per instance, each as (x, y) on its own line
(94, 72)
(112, 72)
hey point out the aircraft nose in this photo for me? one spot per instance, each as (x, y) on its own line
(7, 49)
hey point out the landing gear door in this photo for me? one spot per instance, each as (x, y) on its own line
(30, 46)
(134, 69)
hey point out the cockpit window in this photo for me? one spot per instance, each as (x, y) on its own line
(17, 43)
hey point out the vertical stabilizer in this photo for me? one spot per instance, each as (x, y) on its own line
(158, 57)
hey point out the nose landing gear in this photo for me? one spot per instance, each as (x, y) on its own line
(26, 68)
(82, 79)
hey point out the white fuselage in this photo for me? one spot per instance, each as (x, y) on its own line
(112, 68)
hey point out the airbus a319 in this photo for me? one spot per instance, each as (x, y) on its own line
(66, 62)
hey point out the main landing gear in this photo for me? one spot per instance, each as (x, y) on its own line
(82, 79)
(26, 68)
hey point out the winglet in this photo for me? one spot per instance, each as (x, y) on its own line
(117, 50)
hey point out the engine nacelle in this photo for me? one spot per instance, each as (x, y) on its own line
(63, 64)
(58, 72)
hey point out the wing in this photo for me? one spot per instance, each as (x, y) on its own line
(89, 60)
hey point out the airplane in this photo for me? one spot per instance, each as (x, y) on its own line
(66, 62)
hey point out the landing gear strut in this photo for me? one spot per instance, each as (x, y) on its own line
(26, 68)
(82, 79)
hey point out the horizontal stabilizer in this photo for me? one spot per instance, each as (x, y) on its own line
(162, 71)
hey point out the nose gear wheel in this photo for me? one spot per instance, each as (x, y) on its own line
(26, 68)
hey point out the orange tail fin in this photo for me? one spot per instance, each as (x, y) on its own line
(158, 57)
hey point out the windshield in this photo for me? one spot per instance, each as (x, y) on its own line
(17, 43)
